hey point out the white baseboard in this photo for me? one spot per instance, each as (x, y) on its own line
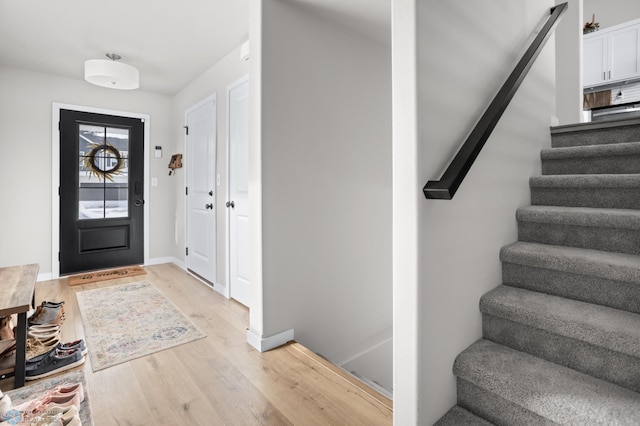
(362, 348)
(162, 260)
(44, 277)
(264, 344)
(370, 360)
(372, 384)
(221, 289)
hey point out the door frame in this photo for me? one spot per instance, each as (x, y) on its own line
(213, 97)
(55, 175)
(227, 226)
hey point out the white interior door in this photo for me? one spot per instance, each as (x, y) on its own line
(237, 205)
(200, 193)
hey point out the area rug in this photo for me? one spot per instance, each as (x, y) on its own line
(36, 389)
(111, 274)
(128, 321)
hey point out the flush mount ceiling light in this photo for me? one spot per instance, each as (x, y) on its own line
(112, 74)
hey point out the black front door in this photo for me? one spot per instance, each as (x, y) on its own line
(101, 191)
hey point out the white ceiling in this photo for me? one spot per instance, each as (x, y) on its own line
(170, 41)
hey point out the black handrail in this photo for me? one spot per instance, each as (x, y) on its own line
(448, 184)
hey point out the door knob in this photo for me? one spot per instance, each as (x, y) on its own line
(211, 193)
(231, 204)
(209, 206)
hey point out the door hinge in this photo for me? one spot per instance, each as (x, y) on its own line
(186, 129)
(186, 249)
(58, 126)
(186, 190)
(58, 191)
(58, 256)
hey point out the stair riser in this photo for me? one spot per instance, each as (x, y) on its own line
(494, 408)
(617, 240)
(596, 137)
(614, 367)
(618, 198)
(459, 416)
(601, 165)
(614, 294)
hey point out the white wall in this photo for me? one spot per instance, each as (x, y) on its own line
(611, 12)
(464, 52)
(569, 64)
(214, 80)
(25, 175)
(325, 141)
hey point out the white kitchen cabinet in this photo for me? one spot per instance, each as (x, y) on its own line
(612, 55)
(594, 61)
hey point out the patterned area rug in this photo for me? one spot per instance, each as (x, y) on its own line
(128, 321)
(36, 389)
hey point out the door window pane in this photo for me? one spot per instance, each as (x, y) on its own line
(103, 172)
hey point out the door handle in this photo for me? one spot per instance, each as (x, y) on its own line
(209, 206)
(139, 202)
(231, 204)
(210, 193)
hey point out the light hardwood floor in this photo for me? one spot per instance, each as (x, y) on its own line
(219, 380)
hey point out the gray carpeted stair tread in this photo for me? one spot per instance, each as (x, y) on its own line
(551, 391)
(594, 324)
(458, 416)
(594, 159)
(613, 266)
(586, 181)
(620, 191)
(602, 291)
(582, 216)
(590, 151)
(597, 133)
(614, 230)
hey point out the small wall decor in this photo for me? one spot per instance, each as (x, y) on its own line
(592, 26)
(103, 161)
(175, 163)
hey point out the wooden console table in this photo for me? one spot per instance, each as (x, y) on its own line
(17, 294)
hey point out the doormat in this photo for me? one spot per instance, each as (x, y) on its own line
(129, 321)
(110, 274)
(38, 388)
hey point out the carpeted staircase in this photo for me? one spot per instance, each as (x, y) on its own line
(561, 336)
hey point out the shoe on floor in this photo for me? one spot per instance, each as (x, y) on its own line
(55, 405)
(76, 344)
(44, 327)
(46, 314)
(7, 347)
(52, 416)
(66, 389)
(36, 347)
(6, 328)
(53, 363)
(44, 334)
(5, 405)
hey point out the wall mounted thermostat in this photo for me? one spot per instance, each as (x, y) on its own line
(158, 151)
